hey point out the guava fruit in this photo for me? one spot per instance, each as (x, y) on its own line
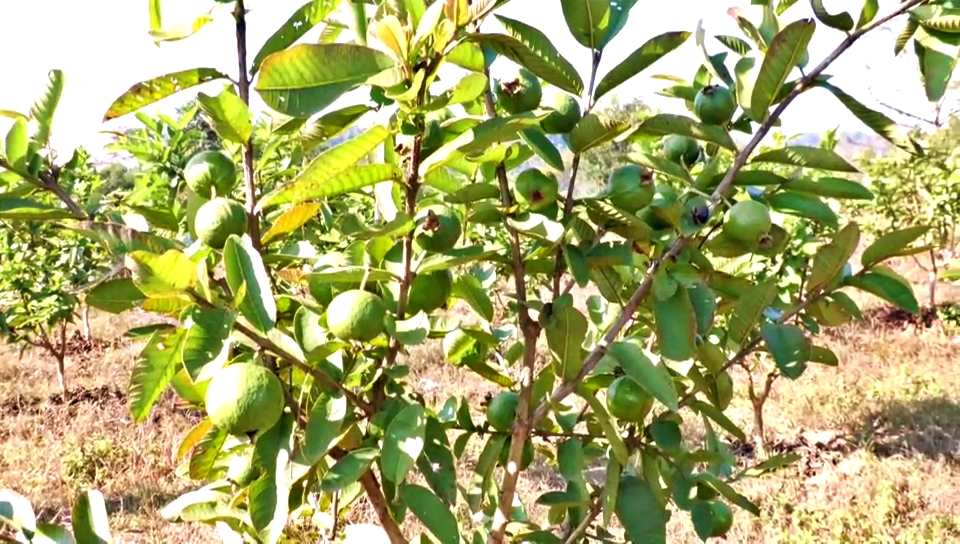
(218, 219)
(747, 221)
(519, 91)
(537, 189)
(681, 150)
(698, 210)
(241, 470)
(438, 229)
(627, 400)
(244, 398)
(356, 315)
(718, 513)
(502, 410)
(462, 349)
(211, 173)
(429, 291)
(630, 187)
(194, 202)
(566, 113)
(714, 105)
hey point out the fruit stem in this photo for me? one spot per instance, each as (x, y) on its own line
(568, 387)
(243, 82)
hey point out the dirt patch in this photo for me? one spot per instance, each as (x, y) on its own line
(815, 449)
(79, 347)
(99, 396)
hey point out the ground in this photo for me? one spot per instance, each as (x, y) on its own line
(878, 437)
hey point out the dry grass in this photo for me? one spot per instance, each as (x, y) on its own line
(879, 438)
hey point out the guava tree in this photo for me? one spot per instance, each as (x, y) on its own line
(44, 266)
(297, 358)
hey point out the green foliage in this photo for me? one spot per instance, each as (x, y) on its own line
(321, 286)
(88, 519)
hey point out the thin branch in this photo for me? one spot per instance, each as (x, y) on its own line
(587, 520)
(531, 331)
(249, 183)
(741, 160)
(49, 182)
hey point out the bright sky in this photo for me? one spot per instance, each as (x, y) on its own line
(106, 49)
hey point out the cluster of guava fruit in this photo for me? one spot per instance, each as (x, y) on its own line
(211, 177)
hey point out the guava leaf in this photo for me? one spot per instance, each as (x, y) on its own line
(664, 124)
(735, 44)
(823, 356)
(411, 331)
(302, 21)
(153, 370)
(456, 257)
(634, 495)
(206, 330)
(169, 274)
(269, 494)
(403, 443)
(543, 147)
(868, 12)
(306, 78)
(532, 49)
(566, 329)
(937, 52)
(804, 205)
(892, 244)
(749, 308)
(593, 130)
(676, 325)
(245, 273)
(89, 518)
(153, 90)
(206, 453)
(437, 464)
(16, 510)
(655, 378)
(291, 220)
(29, 210)
(790, 348)
(829, 187)
(728, 492)
(44, 108)
(334, 172)
(432, 512)
(228, 114)
(704, 302)
(646, 55)
(349, 469)
(876, 121)
(483, 471)
(467, 55)
(719, 418)
(807, 157)
(330, 125)
(470, 290)
(887, 288)
(662, 165)
(940, 18)
(841, 21)
(114, 296)
(831, 258)
(478, 140)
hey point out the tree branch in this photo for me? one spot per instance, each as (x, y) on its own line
(741, 160)
(531, 331)
(243, 81)
(49, 182)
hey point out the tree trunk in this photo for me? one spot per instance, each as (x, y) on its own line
(85, 320)
(932, 278)
(759, 437)
(61, 359)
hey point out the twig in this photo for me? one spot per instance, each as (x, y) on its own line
(587, 520)
(741, 160)
(49, 181)
(249, 185)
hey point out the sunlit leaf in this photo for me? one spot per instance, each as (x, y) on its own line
(302, 21)
(530, 48)
(432, 512)
(153, 370)
(803, 205)
(665, 124)
(89, 518)
(153, 90)
(593, 130)
(841, 21)
(790, 348)
(650, 52)
(891, 244)
(228, 115)
(246, 274)
(44, 108)
(780, 59)
(832, 257)
(169, 274)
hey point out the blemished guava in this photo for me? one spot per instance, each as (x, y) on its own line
(714, 105)
(438, 229)
(356, 315)
(502, 410)
(698, 210)
(210, 174)
(747, 221)
(519, 91)
(681, 150)
(627, 400)
(566, 113)
(218, 219)
(429, 291)
(462, 349)
(537, 189)
(630, 187)
(244, 398)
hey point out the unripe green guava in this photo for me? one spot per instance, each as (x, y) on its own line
(519, 91)
(537, 189)
(747, 221)
(714, 105)
(210, 174)
(429, 291)
(218, 219)
(244, 398)
(630, 187)
(682, 150)
(566, 113)
(356, 315)
(502, 410)
(438, 229)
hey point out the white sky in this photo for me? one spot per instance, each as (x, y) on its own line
(105, 49)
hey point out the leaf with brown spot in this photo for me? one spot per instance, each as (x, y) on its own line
(153, 90)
